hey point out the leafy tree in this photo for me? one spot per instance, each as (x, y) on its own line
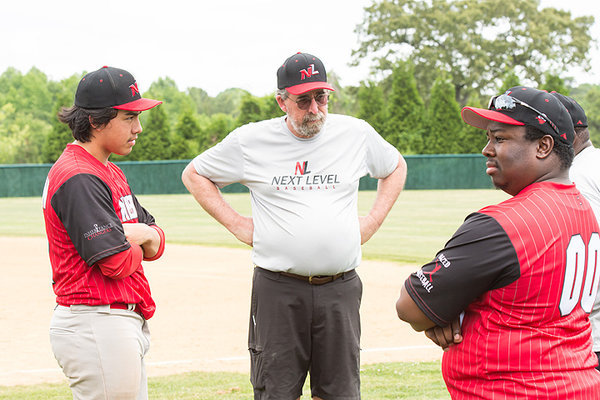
(28, 93)
(182, 149)
(249, 110)
(474, 41)
(445, 133)
(270, 108)
(510, 80)
(343, 100)
(589, 99)
(203, 102)
(405, 111)
(64, 89)
(21, 135)
(155, 140)
(228, 102)
(475, 139)
(35, 96)
(30, 138)
(59, 136)
(187, 126)
(165, 89)
(187, 137)
(371, 105)
(219, 126)
(554, 83)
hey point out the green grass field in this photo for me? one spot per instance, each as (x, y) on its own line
(413, 381)
(418, 225)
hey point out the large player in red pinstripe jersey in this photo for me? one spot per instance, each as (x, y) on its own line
(521, 276)
(98, 234)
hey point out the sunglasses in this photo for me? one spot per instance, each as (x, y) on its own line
(304, 102)
(506, 102)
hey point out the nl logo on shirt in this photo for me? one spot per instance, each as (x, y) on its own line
(128, 211)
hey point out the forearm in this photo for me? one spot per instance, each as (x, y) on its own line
(210, 199)
(149, 237)
(121, 265)
(408, 311)
(388, 190)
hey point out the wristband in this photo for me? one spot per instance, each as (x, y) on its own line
(161, 247)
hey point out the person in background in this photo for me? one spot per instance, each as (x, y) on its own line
(585, 173)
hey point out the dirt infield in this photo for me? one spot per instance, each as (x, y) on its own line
(201, 323)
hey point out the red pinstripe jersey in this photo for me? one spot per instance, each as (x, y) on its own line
(532, 338)
(525, 273)
(84, 205)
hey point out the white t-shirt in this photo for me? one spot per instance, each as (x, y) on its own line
(585, 173)
(303, 191)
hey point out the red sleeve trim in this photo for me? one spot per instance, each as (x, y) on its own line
(123, 264)
(161, 247)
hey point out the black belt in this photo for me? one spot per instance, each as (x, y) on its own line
(314, 279)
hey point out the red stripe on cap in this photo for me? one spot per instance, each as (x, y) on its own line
(138, 105)
(307, 87)
(480, 117)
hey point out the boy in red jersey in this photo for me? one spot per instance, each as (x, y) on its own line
(523, 273)
(98, 235)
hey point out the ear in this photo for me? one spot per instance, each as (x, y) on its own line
(545, 146)
(281, 103)
(92, 123)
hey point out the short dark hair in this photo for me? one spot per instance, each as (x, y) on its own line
(582, 133)
(80, 120)
(563, 150)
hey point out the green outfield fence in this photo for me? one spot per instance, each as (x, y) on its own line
(440, 171)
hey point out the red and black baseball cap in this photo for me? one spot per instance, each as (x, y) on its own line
(302, 73)
(522, 105)
(111, 87)
(575, 110)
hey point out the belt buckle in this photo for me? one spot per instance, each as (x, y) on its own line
(310, 279)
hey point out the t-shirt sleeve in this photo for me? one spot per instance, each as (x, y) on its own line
(382, 157)
(85, 207)
(478, 258)
(222, 163)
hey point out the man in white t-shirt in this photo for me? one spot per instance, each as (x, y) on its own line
(303, 171)
(585, 173)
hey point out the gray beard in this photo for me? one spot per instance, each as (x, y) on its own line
(307, 130)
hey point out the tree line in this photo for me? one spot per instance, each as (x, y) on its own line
(432, 58)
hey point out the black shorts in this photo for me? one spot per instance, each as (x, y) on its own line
(297, 328)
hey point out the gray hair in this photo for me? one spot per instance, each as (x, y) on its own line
(283, 93)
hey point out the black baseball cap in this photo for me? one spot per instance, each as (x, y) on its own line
(575, 110)
(522, 105)
(302, 73)
(111, 87)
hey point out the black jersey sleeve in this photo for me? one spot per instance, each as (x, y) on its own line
(479, 257)
(143, 215)
(84, 205)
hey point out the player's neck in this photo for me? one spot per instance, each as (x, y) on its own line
(98, 152)
(579, 148)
